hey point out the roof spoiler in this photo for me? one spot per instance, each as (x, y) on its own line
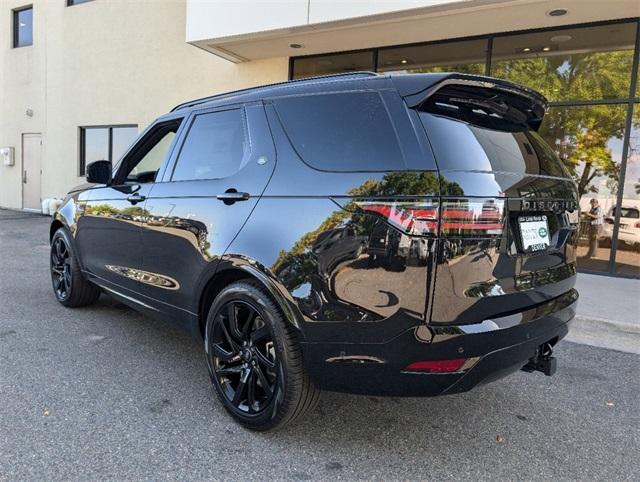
(499, 97)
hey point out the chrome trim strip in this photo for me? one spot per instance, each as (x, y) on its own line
(117, 293)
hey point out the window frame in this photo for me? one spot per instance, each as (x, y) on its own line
(488, 37)
(181, 140)
(82, 161)
(15, 22)
(141, 144)
(72, 3)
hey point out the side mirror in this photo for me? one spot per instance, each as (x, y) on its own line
(99, 172)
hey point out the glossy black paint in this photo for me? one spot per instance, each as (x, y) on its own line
(366, 297)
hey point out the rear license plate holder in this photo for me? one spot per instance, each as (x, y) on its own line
(534, 233)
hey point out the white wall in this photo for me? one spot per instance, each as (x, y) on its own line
(226, 18)
(332, 10)
(243, 30)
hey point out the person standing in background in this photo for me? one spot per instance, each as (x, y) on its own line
(595, 226)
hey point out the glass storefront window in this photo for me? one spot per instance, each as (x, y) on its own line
(628, 251)
(467, 56)
(589, 139)
(577, 69)
(589, 63)
(332, 64)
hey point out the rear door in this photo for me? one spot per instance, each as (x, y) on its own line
(508, 206)
(224, 162)
(31, 171)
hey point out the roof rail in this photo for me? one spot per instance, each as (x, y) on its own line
(202, 100)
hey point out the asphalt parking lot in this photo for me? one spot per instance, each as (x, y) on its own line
(103, 392)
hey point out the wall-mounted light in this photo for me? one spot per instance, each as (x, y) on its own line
(403, 61)
(526, 49)
(28, 112)
(7, 154)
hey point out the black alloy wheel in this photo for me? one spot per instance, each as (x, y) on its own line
(70, 286)
(61, 268)
(255, 359)
(243, 357)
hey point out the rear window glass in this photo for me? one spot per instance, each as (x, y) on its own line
(632, 213)
(463, 146)
(342, 131)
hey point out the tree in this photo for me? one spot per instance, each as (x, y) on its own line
(579, 135)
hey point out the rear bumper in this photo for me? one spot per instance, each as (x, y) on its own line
(493, 348)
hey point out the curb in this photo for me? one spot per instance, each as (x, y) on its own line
(620, 325)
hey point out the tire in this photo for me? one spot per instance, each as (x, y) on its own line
(255, 361)
(69, 285)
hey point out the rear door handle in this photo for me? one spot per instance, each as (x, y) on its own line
(231, 197)
(135, 198)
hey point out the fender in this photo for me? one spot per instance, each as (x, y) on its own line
(66, 216)
(69, 212)
(256, 270)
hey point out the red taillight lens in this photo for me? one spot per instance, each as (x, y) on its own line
(417, 218)
(608, 220)
(637, 225)
(459, 216)
(472, 217)
(436, 366)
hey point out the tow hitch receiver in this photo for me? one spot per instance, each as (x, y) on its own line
(542, 361)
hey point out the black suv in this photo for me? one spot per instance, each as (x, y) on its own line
(387, 235)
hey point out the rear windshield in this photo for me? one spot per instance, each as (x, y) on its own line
(632, 213)
(346, 131)
(462, 145)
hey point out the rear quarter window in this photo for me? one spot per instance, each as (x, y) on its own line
(346, 131)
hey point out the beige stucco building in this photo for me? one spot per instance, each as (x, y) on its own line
(79, 78)
(106, 62)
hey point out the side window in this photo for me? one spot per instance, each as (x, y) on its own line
(143, 163)
(346, 131)
(214, 147)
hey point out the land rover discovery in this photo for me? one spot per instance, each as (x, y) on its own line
(408, 235)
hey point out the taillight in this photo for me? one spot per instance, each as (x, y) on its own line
(436, 366)
(637, 225)
(472, 217)
(419, 218)
(459, 216)
(608, 220)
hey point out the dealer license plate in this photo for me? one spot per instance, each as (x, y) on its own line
(534, 233)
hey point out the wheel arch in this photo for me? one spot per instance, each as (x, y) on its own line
(64, 217)
(60, 221)
(55, 225)
(232, 269)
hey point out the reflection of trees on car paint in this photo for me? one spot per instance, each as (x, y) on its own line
(297, 264)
